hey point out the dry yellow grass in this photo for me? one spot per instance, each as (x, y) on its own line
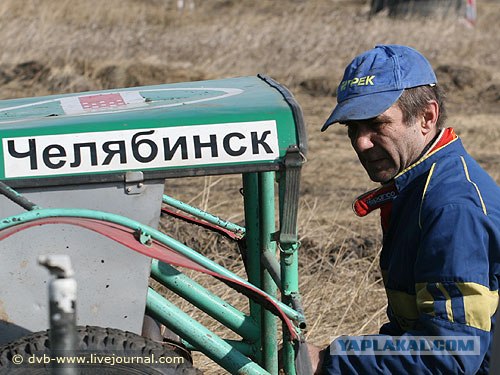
(75, 46)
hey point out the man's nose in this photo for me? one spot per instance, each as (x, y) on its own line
(362, 140)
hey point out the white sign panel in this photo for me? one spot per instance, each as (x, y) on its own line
(140, 149)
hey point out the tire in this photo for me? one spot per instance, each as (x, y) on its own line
(130, 353)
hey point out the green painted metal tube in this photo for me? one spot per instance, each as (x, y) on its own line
(289, 285)
(202, 338)
(250, 350)
(252, 238)
(272, 266)
(288, 353)
(194, 293)
(145, 231)
(268, 245)
(203, 215)
(289, 270)
(17, 198)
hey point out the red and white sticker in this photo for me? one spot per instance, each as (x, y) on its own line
(116, 102)
(75, 105)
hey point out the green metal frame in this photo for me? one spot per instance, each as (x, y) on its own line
(259, 330)
(42, 132)
(257, 352)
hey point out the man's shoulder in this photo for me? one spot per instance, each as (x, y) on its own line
(457, 179)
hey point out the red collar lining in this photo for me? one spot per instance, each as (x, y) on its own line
(383, 195)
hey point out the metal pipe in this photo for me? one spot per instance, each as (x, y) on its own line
(145, 231)
(268, 246)
(203, 215)
(252, 242)
(250, 350)
(62, 313)
(194, 293)
(289, 283)
(200, 337)
(272, 266)
(17, 198)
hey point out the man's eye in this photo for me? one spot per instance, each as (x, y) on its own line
(379, 124)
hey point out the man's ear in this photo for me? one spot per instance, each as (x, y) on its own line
(430, 117)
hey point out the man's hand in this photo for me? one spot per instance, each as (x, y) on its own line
(317, 356)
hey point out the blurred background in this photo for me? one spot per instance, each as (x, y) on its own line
(61, 46)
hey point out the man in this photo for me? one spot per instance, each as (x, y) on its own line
(440, 214)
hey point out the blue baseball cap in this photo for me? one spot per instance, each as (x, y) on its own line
(374, 80)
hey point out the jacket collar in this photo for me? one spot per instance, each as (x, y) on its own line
(384, 195)
(445, 138)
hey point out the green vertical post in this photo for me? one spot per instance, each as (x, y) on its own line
(289, 282)
(289, 273)
(252, 238)
(268, 245)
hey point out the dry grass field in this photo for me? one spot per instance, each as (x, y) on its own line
(59, 46)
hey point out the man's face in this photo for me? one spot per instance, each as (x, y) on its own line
(385, 144)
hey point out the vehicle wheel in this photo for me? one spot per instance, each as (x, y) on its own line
(100, 351)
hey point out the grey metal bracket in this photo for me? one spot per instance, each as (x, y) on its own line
(134, 183)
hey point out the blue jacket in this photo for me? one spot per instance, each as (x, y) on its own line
(440, 264)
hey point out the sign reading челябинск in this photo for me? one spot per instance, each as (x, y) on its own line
(50, 155)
